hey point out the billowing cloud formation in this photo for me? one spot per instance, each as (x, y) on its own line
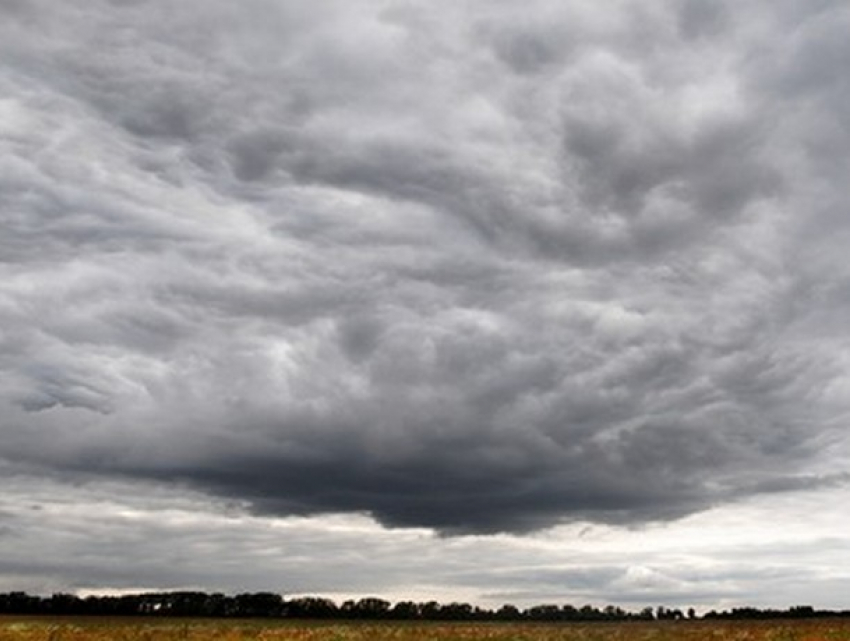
(477, 268)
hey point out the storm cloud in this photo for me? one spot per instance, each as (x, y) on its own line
(477, 268)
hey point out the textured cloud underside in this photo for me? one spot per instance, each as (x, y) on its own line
(477, 268)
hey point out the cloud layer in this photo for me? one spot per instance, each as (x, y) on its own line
(479, 268)
(155, 538)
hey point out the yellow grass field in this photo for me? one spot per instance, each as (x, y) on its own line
(120, 629)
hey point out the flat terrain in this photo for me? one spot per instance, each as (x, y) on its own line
(122, 629)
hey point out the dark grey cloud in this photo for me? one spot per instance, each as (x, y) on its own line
(480, 269)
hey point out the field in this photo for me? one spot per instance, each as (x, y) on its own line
(105, 629)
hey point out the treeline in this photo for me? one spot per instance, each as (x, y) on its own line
(270, 605)
(795, 612)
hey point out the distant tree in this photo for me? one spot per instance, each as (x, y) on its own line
(310, 608)
(259, 604)
(456, 611)
(216, 605)
(569, 613)
(371, 608)
(668, 614)
(508, 612)
(544, 613)
(63, 604)
(614, 613)
(405, 610)
(646, 614)
(589, 613)
(430, 610)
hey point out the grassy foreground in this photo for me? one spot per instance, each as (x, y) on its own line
(122, 629)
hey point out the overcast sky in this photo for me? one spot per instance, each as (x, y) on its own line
(531, 302)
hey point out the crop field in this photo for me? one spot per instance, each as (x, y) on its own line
(122, 629)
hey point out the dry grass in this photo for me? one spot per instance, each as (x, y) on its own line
(105, 629)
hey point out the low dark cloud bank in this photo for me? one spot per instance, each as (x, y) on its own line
(477, 268)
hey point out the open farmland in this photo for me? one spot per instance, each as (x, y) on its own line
(122, 629)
